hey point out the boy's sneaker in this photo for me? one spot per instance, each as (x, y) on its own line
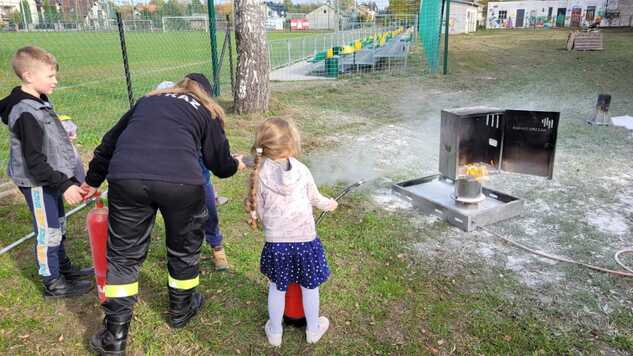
(220, 260)
(61, 288)
(273, 339)
(221, 201)
(75, 272)
(312, 337)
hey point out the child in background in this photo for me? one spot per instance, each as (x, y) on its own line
(282, 194)
(71, 130)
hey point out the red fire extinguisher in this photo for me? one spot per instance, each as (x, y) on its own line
(293, 311)
(97, 224)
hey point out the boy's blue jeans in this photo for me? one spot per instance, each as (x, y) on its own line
(47, 214)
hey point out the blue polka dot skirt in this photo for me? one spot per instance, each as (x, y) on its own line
(294, 262)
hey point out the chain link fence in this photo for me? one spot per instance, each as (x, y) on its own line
(378, 45)
(92, 85)
(93, 81)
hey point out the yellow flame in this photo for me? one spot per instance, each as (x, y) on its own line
(477, 171)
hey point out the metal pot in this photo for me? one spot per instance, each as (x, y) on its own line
(468, 190)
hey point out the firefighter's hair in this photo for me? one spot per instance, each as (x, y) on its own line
(191, 87)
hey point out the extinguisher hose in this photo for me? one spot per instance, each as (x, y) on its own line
(68, 214)
(343, 193)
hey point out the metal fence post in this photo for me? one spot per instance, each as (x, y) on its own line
(214, 50)
(126, 66)
(446, 31)
(289, 54)
(229, 27)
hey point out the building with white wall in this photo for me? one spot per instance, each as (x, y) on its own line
(463, 17)
(323, 18)
(545, 13)
(619, 13)
(7, 7)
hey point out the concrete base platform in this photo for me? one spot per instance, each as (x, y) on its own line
(299, 71)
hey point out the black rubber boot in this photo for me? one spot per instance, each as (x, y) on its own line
(62, 287)
(111, 340)
(183, 305)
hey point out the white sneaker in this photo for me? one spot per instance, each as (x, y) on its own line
(313, 337)
(273, 339)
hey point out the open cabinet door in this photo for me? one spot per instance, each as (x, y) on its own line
(529, 142)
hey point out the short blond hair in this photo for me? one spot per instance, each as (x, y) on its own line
(28, 57)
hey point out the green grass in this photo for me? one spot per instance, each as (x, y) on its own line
(384, 296)
(92, 87)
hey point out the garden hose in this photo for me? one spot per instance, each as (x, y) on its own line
(565, 259)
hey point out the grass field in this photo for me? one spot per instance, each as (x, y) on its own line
(402, 283)
(92, 87)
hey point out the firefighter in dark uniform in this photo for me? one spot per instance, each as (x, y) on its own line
(150, 158)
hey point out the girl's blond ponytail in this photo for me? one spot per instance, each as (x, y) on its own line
(251, 201)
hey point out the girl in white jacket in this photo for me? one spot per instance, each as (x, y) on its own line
(282, 194)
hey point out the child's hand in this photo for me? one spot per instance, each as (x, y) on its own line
(74, 195)
(88, 191)
(240, 162)
(333, 205)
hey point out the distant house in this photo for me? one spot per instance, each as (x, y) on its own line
(7, 7)
(76, 9)
(324, 18)
(275, 16)
(99, 15)
(366, 13)
(463, 16)
(558, 13)
(619, 13)
(299, 24)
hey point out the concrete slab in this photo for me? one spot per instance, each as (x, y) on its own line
(624, 121)
(299, 72)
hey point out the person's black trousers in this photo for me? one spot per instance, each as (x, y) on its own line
(132, 208)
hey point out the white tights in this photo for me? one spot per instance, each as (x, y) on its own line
(277, 304)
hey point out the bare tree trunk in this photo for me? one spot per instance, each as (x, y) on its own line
(252, 90)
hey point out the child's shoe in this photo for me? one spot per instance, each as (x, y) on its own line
(73, 272)
(220, 260)
(313, 337)
(62, 287)
(273, 339)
